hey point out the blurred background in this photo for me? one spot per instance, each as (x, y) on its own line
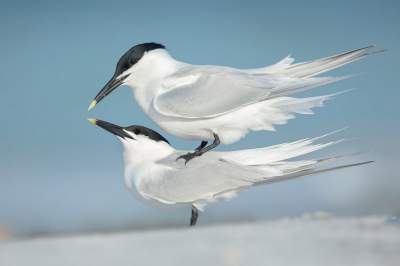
(59, 174)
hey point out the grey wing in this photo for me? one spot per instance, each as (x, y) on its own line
(201, 179)
(206, 92)
(209, 91)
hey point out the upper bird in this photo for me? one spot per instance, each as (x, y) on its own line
(219, 103)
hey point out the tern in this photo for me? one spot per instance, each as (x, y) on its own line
(152, 171)
(218, 103)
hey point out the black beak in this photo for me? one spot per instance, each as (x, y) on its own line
(114, 129)
(111, 85)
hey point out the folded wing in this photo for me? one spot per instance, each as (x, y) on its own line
(209, 91)
(223, 174)
(200, 180)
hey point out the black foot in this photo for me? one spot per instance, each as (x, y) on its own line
(203, 148)
(189, 156)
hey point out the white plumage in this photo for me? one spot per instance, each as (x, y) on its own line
(215, 103)
(193, 102)
(152, 170)
(201, 101)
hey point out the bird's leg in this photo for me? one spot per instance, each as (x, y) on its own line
(215, 143)
(194, 216)
(202, 145)
(200, 150)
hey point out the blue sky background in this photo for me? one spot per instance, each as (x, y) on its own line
(58, 173)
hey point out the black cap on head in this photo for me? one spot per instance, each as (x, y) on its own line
(122, 131)
(133, 55)
(128, 59)
(151, 134)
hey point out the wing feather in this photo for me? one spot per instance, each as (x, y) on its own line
(209, 91)
(199, 180)
(223, 174)
(314, 67)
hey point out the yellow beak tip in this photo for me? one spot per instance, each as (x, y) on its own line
(92, 105)
(92, 121)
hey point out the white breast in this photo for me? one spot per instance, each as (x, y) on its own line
(148, 74)
(140, 157)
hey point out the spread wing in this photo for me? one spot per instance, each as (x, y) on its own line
(210, 91)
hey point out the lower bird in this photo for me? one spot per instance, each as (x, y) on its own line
(151, 168)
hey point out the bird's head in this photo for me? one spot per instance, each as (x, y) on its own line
(140, 143)
(125, 69)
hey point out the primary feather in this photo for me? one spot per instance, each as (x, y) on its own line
(315, 67)
(214, 92)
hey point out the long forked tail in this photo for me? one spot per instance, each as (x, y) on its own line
(314, 67)
(309, 171)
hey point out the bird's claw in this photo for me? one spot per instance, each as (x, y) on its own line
(189, 156)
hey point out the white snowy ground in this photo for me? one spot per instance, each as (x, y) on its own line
(301, 241)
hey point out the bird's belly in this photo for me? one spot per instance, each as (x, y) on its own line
(143, 184)
(224, 126)
(193, 130)
(184, 128)
(229, 127)
(130, 183)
